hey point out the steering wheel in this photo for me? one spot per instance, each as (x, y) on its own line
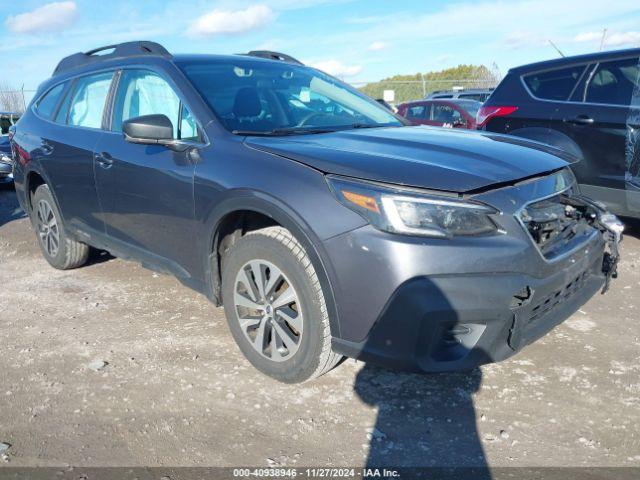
(305, 120)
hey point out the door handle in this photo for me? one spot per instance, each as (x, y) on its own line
(104, 159)
(580, 120)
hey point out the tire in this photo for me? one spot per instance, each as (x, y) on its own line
(64, 254)
(292, 349)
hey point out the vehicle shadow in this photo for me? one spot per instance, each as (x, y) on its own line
(9, 207)
(426, 423)
(632, 227)
(98, 256)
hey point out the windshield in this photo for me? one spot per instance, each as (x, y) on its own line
(255, 97)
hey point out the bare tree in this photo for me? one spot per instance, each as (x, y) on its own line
(11, 98)
(485, 77)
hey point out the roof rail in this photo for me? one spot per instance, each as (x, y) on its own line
(282, 57)
(120, 50)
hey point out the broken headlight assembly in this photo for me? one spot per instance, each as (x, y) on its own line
(412, 213)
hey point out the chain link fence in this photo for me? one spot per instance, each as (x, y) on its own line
(406, 90)
(15, 101)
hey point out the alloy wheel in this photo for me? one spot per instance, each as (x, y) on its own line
(268, 310)
(47, 226)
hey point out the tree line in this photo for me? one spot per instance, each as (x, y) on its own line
(416, 86)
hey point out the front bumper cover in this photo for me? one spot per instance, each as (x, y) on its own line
(438, 323)
(458, 322)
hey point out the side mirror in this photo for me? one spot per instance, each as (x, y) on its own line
(149, 130)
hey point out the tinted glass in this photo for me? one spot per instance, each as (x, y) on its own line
(252, 95)
(141, 92)
(63, 110)
(554, 84)
(614, 82)
(87, 102)
(445, 114)
(469, 106)
(472, 96)
(47, 104)
(417, 111)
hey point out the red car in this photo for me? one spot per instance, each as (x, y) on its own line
(441, 113)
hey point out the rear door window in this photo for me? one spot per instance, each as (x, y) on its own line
(417, 111)
(444, 114)
(88, 100)
(554, 84)
(47, 104)
(614, 82)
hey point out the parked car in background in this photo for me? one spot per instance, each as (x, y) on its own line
(587, 105)
(477, 94)
(323, 224)
(385, 104)
(7, 120)
(441, 113)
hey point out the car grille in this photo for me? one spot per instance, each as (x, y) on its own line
(554, 299)
(554, 226)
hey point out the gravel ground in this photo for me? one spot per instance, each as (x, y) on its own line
(112, 364)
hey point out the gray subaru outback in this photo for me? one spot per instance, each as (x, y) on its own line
(324, 225)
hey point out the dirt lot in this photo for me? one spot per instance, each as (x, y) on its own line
(176, 390)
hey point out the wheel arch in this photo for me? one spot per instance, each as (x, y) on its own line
(550, 137)
(33, 178)
(229, 221)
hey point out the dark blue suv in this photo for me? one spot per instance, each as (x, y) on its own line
(323, 224)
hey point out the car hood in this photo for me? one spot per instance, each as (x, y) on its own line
(432, 158)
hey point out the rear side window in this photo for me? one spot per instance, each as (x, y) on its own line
(88, 100)
(614, 82)
(417, 111)
(445, 114)
(554, 84)
(47, 104)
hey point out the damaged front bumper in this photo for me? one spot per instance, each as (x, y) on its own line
(469, 302)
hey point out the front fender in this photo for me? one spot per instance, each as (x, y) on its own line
(265, 204)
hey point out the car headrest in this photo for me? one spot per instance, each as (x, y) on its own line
(247, 103)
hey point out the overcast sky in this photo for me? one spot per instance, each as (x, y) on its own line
(357, 40)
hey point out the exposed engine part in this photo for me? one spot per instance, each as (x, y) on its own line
(558, 222)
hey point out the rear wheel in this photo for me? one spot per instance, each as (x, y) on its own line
(61, 251)
(275, 306)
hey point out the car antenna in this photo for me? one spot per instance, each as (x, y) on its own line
(557, 49)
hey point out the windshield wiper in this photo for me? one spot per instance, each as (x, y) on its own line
(280, 132)
(371, 125)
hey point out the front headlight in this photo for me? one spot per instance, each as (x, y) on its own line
(5, 159)
(398, 210)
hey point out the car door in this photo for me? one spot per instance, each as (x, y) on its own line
(66, 151)
(146, 191)
(596, 119)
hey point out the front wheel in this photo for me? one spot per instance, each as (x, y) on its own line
(275, 306)
(61, 251)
